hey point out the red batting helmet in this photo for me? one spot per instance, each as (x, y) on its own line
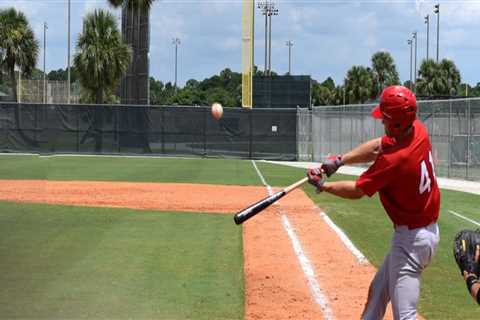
(397, 108)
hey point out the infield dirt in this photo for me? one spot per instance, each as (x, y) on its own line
(276, 287)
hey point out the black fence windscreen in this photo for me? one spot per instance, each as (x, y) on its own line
(123, 129)
(282, 92)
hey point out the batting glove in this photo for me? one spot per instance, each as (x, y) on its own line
(331, 165)
(316, 178)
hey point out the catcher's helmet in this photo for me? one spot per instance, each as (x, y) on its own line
(397, 108)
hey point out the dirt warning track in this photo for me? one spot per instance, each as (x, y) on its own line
(276, 285)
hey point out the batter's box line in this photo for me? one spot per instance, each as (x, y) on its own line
(345, 239)
(464, 218)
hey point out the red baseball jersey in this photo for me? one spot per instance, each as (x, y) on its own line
(404, 176)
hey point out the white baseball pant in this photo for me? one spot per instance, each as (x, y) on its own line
(398, 279)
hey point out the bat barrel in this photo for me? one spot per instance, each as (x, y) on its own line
(245, 214)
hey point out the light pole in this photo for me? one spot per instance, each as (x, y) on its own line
(44, 58)
(289, 43)
(264, 7)
(414, 34)
(427, 22)
(176, 42)
(437, 12)
(410, 42)
(272, 12)
(68, 57)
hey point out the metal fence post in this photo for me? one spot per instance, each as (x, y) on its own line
(312, 145)
(36, 128)
(362, 123)
(205, 131)
(329, 123)
(117, 127)
(162, 131)
(469, 132)
(351, 129)
(449, 140)
(78, 128)
(250, 114)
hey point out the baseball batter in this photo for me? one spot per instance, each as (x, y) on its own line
(403, 174)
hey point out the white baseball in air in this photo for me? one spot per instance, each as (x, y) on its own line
(217, 110)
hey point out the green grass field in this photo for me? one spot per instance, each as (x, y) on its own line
(74, 262)
(136, 264)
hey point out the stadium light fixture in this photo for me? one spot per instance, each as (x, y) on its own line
(289, 44)
(45, 27)
(427, 22)
(176, 42)
(68, 55)
(437, 12)
(410, 42)
(414, 36)
(264, 7)
(272, 12)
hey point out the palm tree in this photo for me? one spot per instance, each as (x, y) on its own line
(358, 84)
(438, 79)
(322, 96)
(384, 71)
(429, 81)
(102, 58)
(135, 29)
(450, 76)
(18, 46)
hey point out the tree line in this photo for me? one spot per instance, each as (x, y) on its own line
(101, 58)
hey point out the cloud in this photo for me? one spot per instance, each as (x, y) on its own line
(329, 36)
(91, 5)
(231, 43)
(27, 7)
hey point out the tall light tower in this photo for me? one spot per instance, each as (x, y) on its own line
(289, 44)
(414, 35)
(176, 42)
(427, 22)
(44, 58)
(272, 12)
(410, 42)
(437, 12)
(264, 6)
(268, 10)
(68, 56)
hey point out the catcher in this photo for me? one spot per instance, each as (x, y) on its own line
(466, 250)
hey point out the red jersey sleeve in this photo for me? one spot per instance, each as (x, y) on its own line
(380, 174)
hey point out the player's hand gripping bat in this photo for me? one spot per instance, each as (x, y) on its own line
(245, 214)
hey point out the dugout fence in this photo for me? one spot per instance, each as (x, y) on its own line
(148, 130)
(453, 125)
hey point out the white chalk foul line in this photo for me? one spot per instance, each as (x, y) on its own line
(307, 268)
(350, 246)
(464, 218)
(270, 192)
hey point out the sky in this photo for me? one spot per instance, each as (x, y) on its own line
(329, 36)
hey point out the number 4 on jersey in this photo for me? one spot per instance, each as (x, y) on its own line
(425, 180)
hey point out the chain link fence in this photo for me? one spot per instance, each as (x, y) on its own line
(38, 91)
(453, 125)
